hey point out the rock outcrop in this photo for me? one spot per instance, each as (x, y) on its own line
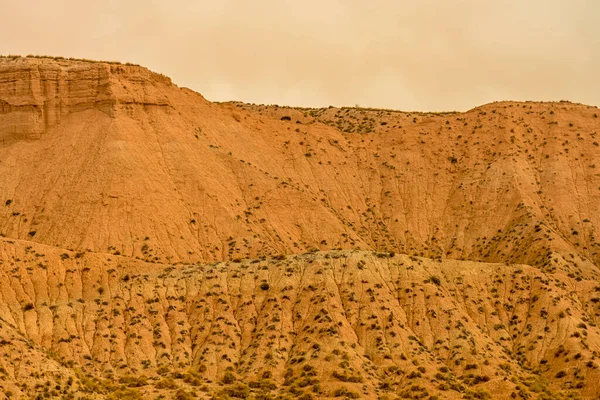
(36, 94)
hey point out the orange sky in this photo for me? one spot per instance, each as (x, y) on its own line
(409, 55)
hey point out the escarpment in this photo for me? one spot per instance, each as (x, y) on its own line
(156, 244)
(36, 94)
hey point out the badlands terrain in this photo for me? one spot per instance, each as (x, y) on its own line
(156, 245)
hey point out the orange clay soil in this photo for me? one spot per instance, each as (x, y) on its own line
(157, 244)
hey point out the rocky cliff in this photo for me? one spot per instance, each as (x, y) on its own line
(36, 94)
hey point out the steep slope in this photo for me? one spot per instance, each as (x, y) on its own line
(135, 156)
(156, 244)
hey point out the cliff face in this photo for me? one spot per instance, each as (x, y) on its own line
(36, 94)
(154, 238)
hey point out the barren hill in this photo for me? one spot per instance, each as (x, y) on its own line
(157, 244)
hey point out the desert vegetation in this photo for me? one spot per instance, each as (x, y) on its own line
(157, 245)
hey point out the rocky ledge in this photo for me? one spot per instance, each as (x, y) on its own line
(37, 93)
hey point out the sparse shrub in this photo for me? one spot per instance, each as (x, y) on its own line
(134, 381)
(264, 384)
(228, 378)
(344, 377)
(238, 391)
(166, 383)
(343, 392)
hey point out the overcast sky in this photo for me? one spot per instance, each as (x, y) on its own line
(410, 55)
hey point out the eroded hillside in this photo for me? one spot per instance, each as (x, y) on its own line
(373, 324)
(204, 182)
(157, 244)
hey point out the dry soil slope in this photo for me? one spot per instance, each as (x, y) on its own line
(319, 324)
(103, 156)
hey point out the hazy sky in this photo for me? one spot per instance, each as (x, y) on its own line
(409, 55)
